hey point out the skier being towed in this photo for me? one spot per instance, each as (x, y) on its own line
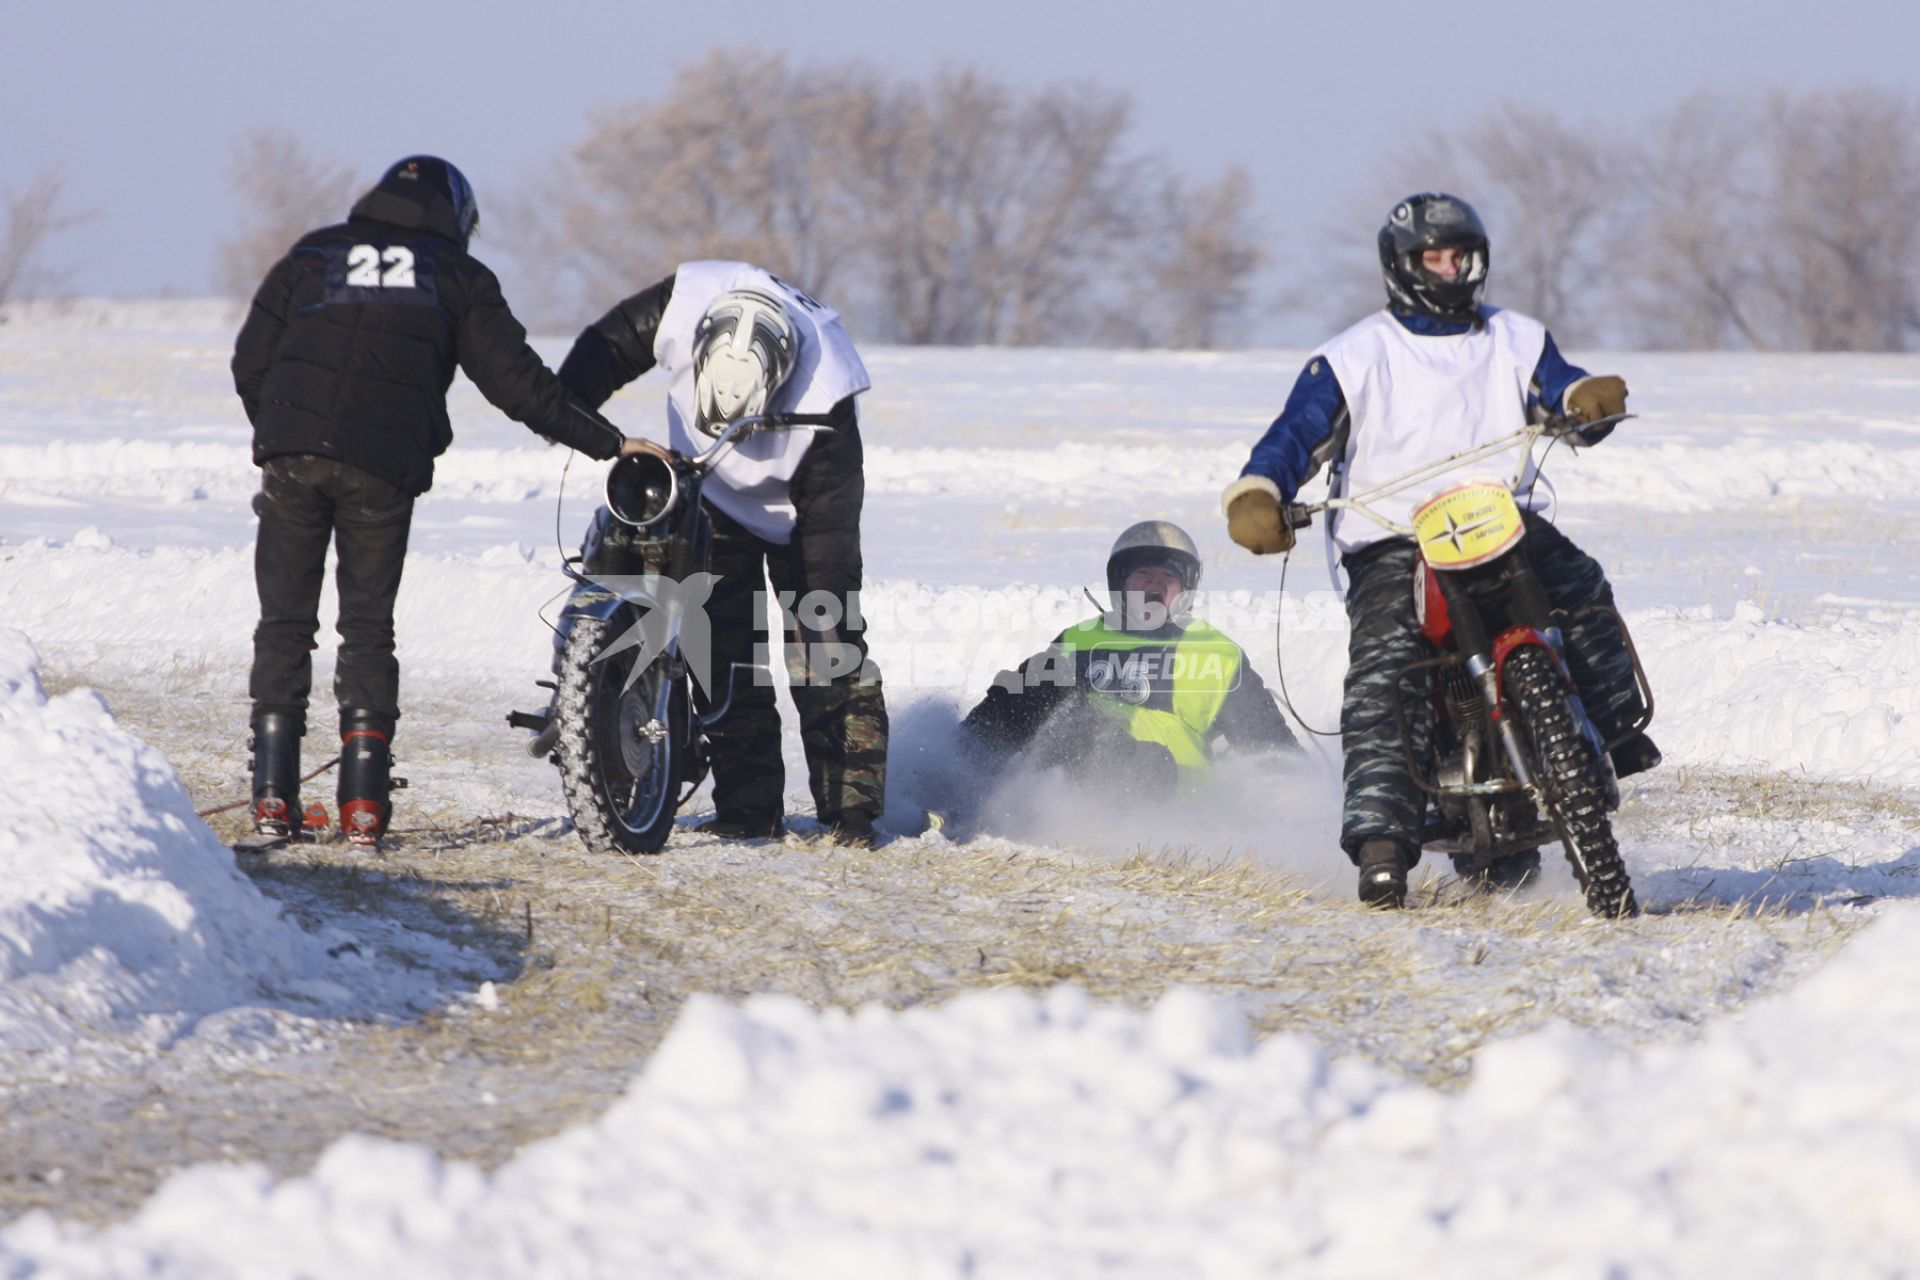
(1132, 701)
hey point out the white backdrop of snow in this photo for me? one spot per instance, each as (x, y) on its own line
(1000, 1134)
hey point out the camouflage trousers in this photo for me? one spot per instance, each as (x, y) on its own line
(836, 688)
(1382, 798)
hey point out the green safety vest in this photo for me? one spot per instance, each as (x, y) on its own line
(1204, 667)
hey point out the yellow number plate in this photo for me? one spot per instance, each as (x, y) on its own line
(1467, 525)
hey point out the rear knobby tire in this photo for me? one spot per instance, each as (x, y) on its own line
(622, 788)
(1573, 778)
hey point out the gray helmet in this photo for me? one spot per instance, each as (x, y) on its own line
(743, 349)
(1434, 221)
(1153, 542)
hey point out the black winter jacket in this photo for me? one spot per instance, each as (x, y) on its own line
(352, 340)
(618, 347)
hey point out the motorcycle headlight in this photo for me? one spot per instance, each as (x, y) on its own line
(641, 489)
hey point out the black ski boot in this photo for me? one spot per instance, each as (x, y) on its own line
(276, 773)
(1383, 874)
(365, 764)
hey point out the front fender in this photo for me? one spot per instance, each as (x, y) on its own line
(592, 602)
(1518, 637)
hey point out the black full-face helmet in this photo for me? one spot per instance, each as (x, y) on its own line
(1434, 221)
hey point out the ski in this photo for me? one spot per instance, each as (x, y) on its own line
(259, 842)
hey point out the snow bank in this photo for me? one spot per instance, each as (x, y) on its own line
(120, 913)
(125, 926)
(1840, 700)
(1008, 1135)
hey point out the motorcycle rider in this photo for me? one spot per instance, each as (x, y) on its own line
(1132, 700)
(734, 340)
(1435, 372)
(343, 365)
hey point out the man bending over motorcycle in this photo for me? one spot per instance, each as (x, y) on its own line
(735, 340)
(1435, 372)
(1132, 701)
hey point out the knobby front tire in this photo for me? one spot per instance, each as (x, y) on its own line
(1573, 777)
(622, 786)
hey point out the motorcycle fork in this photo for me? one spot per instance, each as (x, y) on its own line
(1527, 600)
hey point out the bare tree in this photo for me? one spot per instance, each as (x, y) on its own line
(1554, 200)
(1845, 273)
(1694, 281)
(1560, 199)
(285, 190)
(709, 171)
(1000, 219)
(959, 211)
(1204, 267)
(1784, 224)
(34, 217)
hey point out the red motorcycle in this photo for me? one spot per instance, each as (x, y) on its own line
(1512, 740)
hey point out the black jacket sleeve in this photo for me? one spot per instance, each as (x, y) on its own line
(1250, 720)
(1022, 701)
(259, 339)
(494, 353)
(618, 347)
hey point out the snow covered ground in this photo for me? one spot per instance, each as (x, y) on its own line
(1750, 520)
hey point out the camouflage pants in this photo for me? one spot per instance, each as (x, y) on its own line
(1382, 798)
(836, 688)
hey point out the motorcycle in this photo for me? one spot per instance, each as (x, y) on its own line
(622, 726)
(1512, 740)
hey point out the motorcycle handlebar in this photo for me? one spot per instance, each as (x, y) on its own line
(740, 428)
(1560, 427)
(1298, 515)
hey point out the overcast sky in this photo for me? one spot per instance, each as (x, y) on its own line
(139, 102)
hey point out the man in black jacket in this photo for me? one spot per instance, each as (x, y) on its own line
(343, 365)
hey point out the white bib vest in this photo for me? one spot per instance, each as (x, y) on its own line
(1414, 398)
(751, 483)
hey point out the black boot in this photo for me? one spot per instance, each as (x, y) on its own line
(365, 761)
(1383, 874)
(751, 828)
(276, 773)
(853, 829)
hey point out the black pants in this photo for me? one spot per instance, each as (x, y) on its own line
(303, 504)
(1382, 798)
(836, 689)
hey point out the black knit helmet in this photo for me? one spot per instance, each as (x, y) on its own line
(425, 179)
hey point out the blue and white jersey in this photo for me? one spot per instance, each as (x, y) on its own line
(751, 484)
(1394, 392)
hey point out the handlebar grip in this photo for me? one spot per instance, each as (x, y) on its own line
(1296, 515)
